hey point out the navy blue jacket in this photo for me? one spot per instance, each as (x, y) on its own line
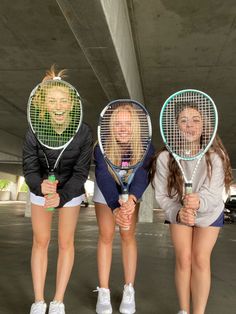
(110, 188)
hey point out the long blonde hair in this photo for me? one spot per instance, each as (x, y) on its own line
(113, 149)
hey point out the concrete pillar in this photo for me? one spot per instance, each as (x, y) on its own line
(146, 206)
(28, 205)
(13, 190)
(103, 31)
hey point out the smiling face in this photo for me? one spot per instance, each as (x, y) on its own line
(59, 106)
(122, 127)
(190, 124)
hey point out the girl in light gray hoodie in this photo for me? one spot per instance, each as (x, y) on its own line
(195, 219)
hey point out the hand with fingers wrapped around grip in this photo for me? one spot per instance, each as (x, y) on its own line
(48, 187)
(52, 200)
(128, 207)
(192, 201)
(121, 218)
(186, 216)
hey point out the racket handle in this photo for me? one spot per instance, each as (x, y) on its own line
(51, 178)
(188, 188)
(124, 197)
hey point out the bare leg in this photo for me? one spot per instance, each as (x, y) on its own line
(182, 241)
(106, 224)
(41, 224)
(68, 217)
(129, 250)
(204, 240)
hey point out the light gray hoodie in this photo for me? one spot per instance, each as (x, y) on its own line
(210, 190)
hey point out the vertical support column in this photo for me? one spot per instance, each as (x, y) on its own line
(146, 206)
(28, 205)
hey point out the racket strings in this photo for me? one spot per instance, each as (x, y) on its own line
(124, 134)
(55, 112)
(188, 123)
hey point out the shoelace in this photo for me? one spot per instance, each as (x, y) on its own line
(104, 295)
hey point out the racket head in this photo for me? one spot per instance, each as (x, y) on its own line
(124, 133)
(188, 123)
(54, 113)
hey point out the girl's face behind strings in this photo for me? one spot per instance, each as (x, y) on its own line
(122, 127)
(190, 124)
(59, 106)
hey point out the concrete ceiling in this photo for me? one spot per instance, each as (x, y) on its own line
(117, 49)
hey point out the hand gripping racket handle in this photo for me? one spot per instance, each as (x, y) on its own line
(124, 197)
(189, 190)
(51, 178)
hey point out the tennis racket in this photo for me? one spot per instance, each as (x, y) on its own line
(54, 114)
(188, 124)
(124, 137)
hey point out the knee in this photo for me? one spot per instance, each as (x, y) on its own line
(183, 261)
(65, 244)
(127, 236)
(201, 261)
(106, 237)
(41, 242)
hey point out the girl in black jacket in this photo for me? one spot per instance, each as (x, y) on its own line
(66, 194)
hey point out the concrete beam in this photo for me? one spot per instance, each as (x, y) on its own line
(10, 144)
(10, 169)
(103, 32)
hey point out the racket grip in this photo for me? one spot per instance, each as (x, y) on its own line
(124, 197)
(188, 188)
(51, 178)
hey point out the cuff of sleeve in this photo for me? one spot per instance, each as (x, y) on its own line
(62, 200)
(173, 215)
(202, 205)
(114, 205)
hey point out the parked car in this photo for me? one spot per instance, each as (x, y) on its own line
(230, 208)
(85, 204)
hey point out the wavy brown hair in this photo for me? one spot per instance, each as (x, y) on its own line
(175, 179)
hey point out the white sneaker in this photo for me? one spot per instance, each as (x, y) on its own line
(103, 301)
(38, 308)
(56, 307)
(182, 312)
(127, 305)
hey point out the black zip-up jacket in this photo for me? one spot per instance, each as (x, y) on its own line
(72, 169)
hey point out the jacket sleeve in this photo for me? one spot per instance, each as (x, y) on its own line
(31, 165)
(212, 189)
(80, 171)
(170, 205)
(105, 181)
(141, 177)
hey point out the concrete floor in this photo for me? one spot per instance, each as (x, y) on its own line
(155, 292)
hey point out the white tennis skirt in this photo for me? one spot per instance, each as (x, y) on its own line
(97, 195)
(40, 200)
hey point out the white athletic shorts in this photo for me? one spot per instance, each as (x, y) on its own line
(97, 195)
(40, 200)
